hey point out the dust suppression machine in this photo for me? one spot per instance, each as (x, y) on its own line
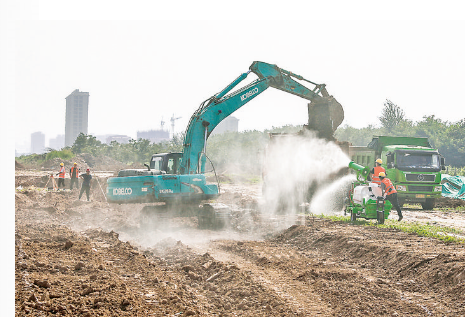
(366, 199)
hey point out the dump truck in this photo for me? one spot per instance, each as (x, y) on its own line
(413, 166)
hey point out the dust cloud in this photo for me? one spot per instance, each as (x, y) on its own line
(297, 168)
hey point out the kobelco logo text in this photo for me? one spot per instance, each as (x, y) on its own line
(249, 93)
(122, 191)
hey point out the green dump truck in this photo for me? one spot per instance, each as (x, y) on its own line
(413, 166)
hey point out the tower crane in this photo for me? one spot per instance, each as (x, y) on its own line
(172, 122)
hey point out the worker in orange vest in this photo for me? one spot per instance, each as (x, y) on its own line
(61, 176)
(376, 170)
(74, 174)
(390, 193)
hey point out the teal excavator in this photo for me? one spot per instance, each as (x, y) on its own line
(178, 179)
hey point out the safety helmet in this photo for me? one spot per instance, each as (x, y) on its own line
(87, 170)
(75, 163)
(61, 164)
(382, 174)
(379, 161)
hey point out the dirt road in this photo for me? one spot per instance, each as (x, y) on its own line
(76, 258)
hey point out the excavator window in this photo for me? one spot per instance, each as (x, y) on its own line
(157, 163)
(173, 164)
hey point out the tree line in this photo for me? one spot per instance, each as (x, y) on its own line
(447, 137)
(243, 151)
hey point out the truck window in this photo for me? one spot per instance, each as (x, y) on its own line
(418, 161)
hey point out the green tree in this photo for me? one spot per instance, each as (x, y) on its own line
(453, 144)
(433, 128)
(357, 137)
(87, 144)
(391, 116)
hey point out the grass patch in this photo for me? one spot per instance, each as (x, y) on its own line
(452, 209)
(445, 234)
(64, 154)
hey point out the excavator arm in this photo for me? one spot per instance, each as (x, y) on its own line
(327, 111)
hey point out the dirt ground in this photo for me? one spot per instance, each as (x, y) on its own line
(79, 258)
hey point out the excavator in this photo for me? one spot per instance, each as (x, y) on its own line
(178, 179)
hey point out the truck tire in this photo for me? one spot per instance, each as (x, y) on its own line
(428, 204)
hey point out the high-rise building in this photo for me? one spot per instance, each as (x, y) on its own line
(37, 142)
(77, 108)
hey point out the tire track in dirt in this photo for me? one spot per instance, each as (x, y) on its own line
(303, 298)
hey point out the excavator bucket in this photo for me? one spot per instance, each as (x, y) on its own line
(324, 116)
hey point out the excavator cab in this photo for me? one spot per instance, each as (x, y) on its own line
(166, 162)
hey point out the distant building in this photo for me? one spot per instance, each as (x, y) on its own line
(154, 136)
(122, 139)
(229, 124)
(101, 138)
(77, 108)
(37, 142)
(108, 138)
(57, 143)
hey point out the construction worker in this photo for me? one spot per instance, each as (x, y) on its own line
(74, 174)
(390, 193)
(376, 170)
(85, 184)
(61, 176)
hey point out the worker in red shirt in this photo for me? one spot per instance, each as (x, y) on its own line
(61, 176)
(390, 193)
(376, 170)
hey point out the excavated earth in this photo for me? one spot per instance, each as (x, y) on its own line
(79, 258)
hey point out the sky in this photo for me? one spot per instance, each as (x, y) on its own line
(139, 72)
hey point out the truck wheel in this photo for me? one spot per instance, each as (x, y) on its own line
(428, 204)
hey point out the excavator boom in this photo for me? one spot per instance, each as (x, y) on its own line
(324, 112)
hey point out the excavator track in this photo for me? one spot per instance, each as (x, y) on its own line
(214, 216)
